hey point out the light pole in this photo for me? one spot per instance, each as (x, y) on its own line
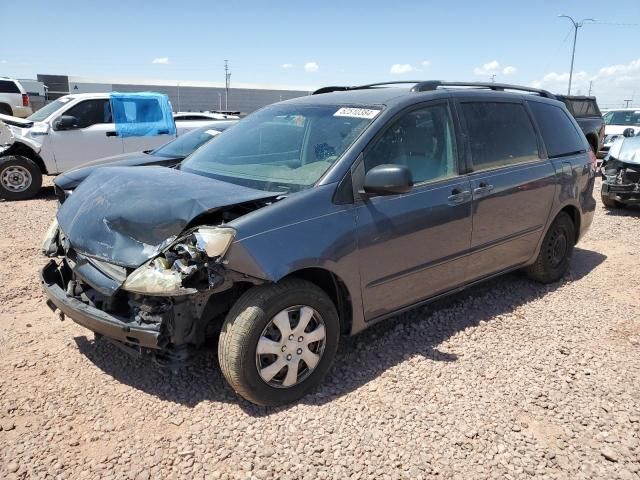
(576, 26)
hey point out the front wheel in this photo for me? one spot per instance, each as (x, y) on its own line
(278, 341)
(555, 252)
(610, 202)
(20, 178)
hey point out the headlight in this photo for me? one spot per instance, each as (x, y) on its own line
(182, 260)
(50, 242)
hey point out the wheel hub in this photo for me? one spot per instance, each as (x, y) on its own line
(558, 249)
(15, 178)
(290, 346)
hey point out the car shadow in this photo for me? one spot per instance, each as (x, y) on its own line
(626, 211)
(360, 359)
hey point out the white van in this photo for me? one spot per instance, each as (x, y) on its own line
(74, 130)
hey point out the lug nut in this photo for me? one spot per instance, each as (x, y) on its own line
(299, 351)
(284, 347)
(289, 357)
(300, 339)
(291, 337)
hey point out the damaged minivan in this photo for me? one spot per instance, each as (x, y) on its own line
(317, 217)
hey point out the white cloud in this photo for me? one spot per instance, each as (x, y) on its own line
(610, 84)
(509, 70)
(161, 60)
(4, 61)
(401, 68)
(311, 67)
(286, 66)
(426, 64)
(488, 68)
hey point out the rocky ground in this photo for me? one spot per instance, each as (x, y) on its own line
(509, 380)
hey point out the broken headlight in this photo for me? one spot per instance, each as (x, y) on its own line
(50, 242)
(180, 262)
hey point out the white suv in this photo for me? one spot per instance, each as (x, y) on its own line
(73, 130)
(14, 99)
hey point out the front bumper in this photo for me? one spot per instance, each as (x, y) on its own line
(626, 193)
(96, 320)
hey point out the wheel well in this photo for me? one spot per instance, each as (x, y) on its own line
(593, 141)
(335, 288)
(574, 214)
(6, 105)
(21, 149)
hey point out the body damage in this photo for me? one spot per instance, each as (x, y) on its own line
(621, 171)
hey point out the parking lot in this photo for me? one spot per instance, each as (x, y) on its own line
(511, 379)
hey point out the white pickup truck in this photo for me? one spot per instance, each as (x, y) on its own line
(76, 129)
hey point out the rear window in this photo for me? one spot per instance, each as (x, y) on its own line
(583, 107)
(500, 134)
(8, 86)
(558, 131)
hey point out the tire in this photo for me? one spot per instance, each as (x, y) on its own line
(555, 253)
(250, 321)
(20, 178)
(610, 203)
(5, 109)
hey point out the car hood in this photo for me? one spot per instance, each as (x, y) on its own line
(127, 215)
(626, 150)
(72, 178)
(619, 129)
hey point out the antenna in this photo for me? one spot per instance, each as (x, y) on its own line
(227, 83)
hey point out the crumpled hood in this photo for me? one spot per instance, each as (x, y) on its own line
(626, 150)
(127, 215)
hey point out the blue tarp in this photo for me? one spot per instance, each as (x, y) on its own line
(142, 114)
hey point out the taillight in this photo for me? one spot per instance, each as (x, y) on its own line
(594, 160)
(25, 100)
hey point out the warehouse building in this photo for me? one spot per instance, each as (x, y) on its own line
(184, 96)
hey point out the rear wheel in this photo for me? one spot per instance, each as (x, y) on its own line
(20, 178)
(5, 109)
(610, 202)
(278, 341)
(555, 252)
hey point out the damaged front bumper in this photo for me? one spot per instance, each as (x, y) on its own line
(624, 193)
(115, 327)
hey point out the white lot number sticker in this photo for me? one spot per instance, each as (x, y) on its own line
(367, 113)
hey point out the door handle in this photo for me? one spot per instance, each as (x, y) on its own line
(111, 134)
(458, 196)
(482, 188)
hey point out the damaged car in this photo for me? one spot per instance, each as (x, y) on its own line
(621, 172)
(318, 217)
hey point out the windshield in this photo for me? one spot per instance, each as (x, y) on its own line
(48, 109)
(282, 147)
(622, 117)
(185, 144)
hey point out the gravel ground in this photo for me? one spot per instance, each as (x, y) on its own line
(508, 380)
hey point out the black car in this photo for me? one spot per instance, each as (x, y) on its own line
(621, 172)
(318, 217)
(167, 155)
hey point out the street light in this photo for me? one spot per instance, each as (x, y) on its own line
(576, 26)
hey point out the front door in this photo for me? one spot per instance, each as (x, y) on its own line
(512, 185)
(93, 136)
(412, 246)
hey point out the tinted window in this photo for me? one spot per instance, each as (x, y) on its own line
(7, 86)
(91, 112)
(581, 107)
(622, 117)
(186, 144)
(500, 134)
(558, 132)
(423, 140)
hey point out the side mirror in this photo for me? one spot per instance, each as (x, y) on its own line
(629, 132)
(389, 179)
(66, 122)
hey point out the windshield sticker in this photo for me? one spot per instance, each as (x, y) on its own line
(213, 133)
(367, 113)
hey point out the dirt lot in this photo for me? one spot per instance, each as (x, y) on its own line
(509, 380)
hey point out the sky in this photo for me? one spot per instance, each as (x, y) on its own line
(313, 44)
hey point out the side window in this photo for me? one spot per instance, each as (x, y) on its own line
(7, 86)
(558, 131)
(500, 134)
(91, 112)
(141, 110)
(423, 140)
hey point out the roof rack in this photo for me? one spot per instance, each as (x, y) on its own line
(430, 85)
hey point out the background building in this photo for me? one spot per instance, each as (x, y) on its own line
(184, 96)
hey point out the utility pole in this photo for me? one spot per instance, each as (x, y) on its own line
(576, 26)
(590, 85)
(493, 78)
(219, 102)
(627, 102)
(227, 82)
